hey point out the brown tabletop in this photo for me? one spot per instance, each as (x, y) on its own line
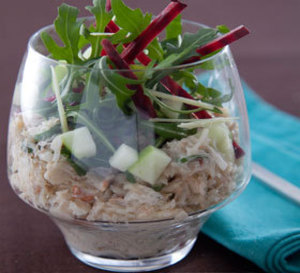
(268, 60)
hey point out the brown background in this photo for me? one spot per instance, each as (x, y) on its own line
(269, 60)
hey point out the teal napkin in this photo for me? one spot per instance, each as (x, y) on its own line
(261, 225)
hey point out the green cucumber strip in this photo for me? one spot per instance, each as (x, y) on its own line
(172, 109)
(198, 103)
(204, 122)
(60, 107)
(168, 130)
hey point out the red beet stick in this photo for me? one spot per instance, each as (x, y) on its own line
(224, 40)
(113, 28)
(142, 102)
(220, 42)
(152, 31)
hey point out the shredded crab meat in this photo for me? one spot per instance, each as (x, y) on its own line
(45, 179)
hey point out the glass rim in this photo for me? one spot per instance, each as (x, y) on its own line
(35, 36)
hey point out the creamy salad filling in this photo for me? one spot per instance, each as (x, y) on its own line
(201, 171)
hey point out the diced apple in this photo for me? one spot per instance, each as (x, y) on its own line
(150, 165)
(79, 142)
(220, 136)
(123, 158)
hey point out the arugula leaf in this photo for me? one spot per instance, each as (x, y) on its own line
(190, 42)
(223, 29)
(133, 21)
(155, 50)
(211, 95)
(117, 84)
(185, 77)
(102, 19)
(168, 131)
(67, 27)
(170, 45)
(174, 29)
(93, 87)
(118, 37)
(176, 55)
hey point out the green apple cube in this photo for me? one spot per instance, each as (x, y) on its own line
(150, 165)
(220, 136)
(123, 158)
(80, 142)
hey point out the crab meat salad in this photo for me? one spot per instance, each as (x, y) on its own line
(123, 129)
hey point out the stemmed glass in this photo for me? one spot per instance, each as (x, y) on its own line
(78, 192)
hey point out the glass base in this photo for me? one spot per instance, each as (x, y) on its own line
(138, 265)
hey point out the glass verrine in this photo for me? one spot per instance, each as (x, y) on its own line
(130, 193)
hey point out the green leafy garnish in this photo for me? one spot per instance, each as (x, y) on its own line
(168, 130)
(67, 27)
(117, 84)
(176, 55)
(102, 19)
(174, 29)
(188, 46)
(133, 21)
(211, 95)
(155, 50)
(223, 29)
(93, 87)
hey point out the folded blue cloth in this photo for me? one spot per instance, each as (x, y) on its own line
(261, 225)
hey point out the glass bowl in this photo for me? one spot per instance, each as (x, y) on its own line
(110, 219)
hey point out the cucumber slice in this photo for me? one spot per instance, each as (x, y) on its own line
(123, 158)
(150, 165)
(220, 135)
(80, 142)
